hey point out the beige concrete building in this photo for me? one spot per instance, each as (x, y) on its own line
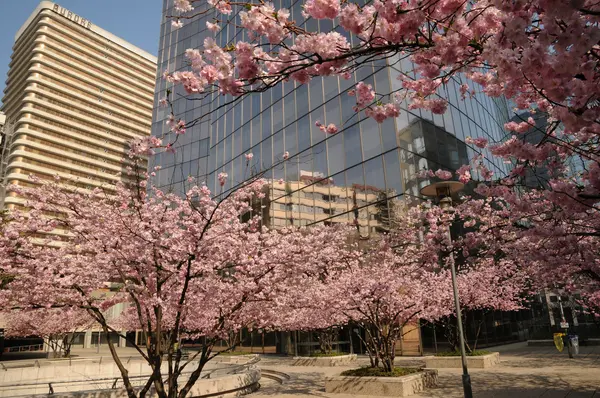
(75, 95)
(315, 198)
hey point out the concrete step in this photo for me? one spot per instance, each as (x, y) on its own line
(279, 377)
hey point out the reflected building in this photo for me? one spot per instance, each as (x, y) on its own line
(316, 198)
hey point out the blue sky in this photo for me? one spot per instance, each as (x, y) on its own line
(136, 21)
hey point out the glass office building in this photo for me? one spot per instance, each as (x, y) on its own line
(352, 176)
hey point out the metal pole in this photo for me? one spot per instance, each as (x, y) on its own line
(434, 340)
(98, 348)
(466, 378)
(563, 320)
(296, 344)
(350, 338)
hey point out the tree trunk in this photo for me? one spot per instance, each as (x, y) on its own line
(387, 363)
(326, 337)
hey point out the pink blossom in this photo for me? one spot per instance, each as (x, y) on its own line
(443, 174)
(221, 6)
(183, 5)
(213, 27)
(353, 20)
(464, 174)
(249, 157)
(329, 129)
(479, 142)
(464, 88)
(260, 20)
(222, 177)
(522, 127)
(364, 94)
(438, 106)
(176, 24)
(381, 112)
(470, 223)
(286, 155)
(425, 173)
(320, 9)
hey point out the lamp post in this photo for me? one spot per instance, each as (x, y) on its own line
(443, 192)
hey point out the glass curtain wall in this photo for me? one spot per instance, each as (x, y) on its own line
(358, 175)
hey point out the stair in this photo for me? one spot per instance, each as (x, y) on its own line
(279, 377)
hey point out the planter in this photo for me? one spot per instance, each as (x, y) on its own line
(68, 382)
(478, 362)
(402, 386)
(341, 360)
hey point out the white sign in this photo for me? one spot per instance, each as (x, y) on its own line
(564, 325)
(72, 16)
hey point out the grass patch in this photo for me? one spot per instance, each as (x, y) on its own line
(235, 353)
(379, 372)
(475, 353)
(329, 354)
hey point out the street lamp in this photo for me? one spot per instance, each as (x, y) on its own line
(443, 191)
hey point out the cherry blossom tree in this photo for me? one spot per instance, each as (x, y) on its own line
(385, 292)
(58, 327)
(551, 234)
(403, 277)
(185, 266)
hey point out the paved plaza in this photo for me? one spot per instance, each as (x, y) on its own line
(523, 372)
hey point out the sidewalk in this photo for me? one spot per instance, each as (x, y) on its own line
(523, 372)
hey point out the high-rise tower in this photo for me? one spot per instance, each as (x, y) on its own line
(75, 95)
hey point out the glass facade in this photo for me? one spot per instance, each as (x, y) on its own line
(353, 176)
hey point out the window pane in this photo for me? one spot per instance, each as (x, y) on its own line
(352, 145)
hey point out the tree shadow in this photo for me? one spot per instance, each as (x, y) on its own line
(505, 385)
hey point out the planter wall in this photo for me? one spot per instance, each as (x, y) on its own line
(403, 386)
(227, 386)
(341, 360)
(478, 362)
